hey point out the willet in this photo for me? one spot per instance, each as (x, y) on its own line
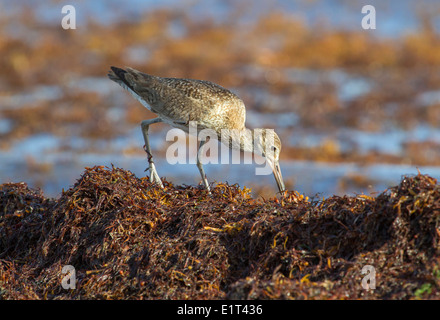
(180, 102)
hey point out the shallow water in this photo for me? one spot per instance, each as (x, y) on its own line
(390, 141)
(35, 161)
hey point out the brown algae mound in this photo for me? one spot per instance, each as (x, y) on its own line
(128, 239)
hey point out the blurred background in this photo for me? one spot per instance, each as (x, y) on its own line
(355, 109)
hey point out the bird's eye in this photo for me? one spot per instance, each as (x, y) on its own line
(274, 149)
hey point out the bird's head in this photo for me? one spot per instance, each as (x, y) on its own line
(268, 144)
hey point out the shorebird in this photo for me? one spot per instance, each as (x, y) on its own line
(180, 102)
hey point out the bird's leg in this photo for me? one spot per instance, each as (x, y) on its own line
(154, 177)
(200, 166)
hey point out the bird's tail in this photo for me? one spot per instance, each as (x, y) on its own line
(138, 84)
(118, 75)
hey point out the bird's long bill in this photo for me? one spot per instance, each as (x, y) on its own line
(278, 177)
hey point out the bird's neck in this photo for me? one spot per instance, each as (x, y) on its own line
(239, 139)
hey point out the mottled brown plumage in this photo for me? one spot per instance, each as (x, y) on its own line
(180, 102)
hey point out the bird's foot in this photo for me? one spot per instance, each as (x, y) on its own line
(154, 176)
(205, 184)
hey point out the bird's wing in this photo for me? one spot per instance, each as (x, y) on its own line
(205, 92)
(212, 102)
(183, 100)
